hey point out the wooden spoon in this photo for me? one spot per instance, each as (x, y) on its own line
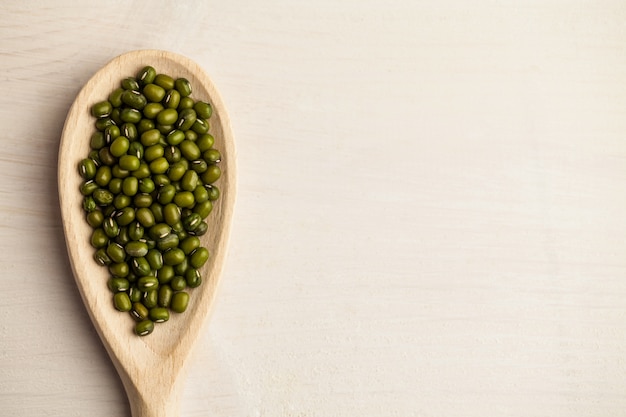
(151, 366)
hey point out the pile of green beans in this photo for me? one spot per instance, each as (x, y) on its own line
(148, 188)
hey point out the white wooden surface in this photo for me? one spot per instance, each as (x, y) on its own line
(430, 217)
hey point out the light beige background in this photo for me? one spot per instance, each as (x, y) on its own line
(431, 217)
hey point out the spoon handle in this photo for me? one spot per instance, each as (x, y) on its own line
(158, 398)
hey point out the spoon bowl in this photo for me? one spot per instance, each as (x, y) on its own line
(150, 367)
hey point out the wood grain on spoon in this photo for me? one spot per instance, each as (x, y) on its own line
(150, 367)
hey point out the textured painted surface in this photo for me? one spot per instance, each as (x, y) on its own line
(430, 217)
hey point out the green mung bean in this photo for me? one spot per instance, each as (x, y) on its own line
(116, 252)
(146, 75)
(119, 269)
(147, 283)
(136, 248)
(180, 301)
(159, 314)
(144, 327)
(164, 81)
(122, 301)
(148, 187)
(118, 284)
(143, 200)
(153, 92)
(101, 109)
(150, 298)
